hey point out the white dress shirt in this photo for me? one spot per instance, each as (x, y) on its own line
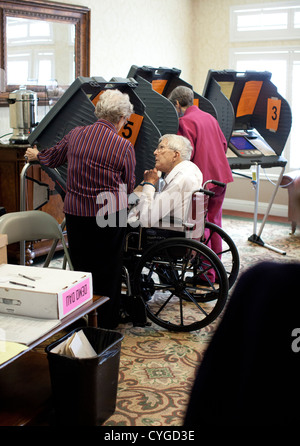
(174, 199)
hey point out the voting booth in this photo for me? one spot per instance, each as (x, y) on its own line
(260, 120)
(253, 116)
(154, 87)
(76, 108)
(254, 108)
(154, 115)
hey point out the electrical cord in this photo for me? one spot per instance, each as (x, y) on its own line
(274, 184)
(6, 134)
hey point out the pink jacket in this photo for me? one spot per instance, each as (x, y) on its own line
(209, 144)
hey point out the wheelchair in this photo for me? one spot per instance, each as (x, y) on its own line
(169, 277)
(178, 280)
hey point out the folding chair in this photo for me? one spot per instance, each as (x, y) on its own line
(33, 225)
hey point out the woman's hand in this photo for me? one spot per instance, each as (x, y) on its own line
(31, 154)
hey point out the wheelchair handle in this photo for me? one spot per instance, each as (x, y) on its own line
(216, 183)
(207, 192)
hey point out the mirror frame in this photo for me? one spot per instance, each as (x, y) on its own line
(45, 10)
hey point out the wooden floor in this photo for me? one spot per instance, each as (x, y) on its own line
(251, 215)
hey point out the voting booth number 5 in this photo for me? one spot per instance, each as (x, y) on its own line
(131, 129)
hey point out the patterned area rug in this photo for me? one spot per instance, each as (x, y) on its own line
(157, 367)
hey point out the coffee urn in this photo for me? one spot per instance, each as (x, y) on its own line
(22, 113)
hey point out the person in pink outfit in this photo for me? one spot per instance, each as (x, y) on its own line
(209, 151)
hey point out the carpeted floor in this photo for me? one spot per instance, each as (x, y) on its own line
(157, 367)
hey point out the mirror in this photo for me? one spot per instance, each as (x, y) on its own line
(39, 53)
(45, 47)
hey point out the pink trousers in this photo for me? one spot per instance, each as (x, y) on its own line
(214, 215)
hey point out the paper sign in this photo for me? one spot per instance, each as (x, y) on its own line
(248, 98)
(77, 295)
(273, 114)
(96, 98)
(159, 85)
(131, 130)
(226, 88)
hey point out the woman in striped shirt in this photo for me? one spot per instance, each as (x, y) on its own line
(101, 166)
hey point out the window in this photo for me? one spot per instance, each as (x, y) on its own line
(253, 23)
(18, 69)
(22, 68)
(276, 21)
(24, 37)
(44, 68)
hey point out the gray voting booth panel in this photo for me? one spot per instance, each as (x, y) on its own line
(234, 84)
(154, 87)
(76, 108)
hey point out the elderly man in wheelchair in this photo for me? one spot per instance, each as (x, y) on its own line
(170, 274)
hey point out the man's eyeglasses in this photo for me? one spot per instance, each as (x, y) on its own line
(163, 148)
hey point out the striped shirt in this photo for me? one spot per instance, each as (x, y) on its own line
(99, 162)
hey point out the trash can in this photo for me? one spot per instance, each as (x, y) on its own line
(85, 390)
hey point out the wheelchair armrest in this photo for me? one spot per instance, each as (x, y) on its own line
(136, 237)
(189, 226)
(171, 223)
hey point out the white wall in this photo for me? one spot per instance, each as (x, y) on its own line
(192, 35)
(139, 32)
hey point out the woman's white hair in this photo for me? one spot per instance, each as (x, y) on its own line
(113, 105)
(179, 144)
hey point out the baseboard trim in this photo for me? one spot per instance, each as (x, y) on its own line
(232, 204)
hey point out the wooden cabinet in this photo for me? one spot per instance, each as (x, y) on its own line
(11, 164)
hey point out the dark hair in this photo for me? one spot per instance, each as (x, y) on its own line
(184, 95)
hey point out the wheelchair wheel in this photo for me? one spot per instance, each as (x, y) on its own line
(229, 254)
(166, 277)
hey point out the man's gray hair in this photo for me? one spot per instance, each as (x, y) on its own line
(182, 94)
(179, 144)
(113, 105)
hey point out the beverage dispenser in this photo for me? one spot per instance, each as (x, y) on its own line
(22, 113)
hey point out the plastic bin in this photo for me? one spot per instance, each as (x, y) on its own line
(85, 390)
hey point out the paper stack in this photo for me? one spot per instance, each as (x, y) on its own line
(76, 346)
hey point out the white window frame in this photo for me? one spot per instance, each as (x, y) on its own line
(24, 56)
(291, 8)
(289, 51)
(40, 56)
(289, 54)
(33, 59)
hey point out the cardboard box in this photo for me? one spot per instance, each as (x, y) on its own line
(52, 294)
(3, 248)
